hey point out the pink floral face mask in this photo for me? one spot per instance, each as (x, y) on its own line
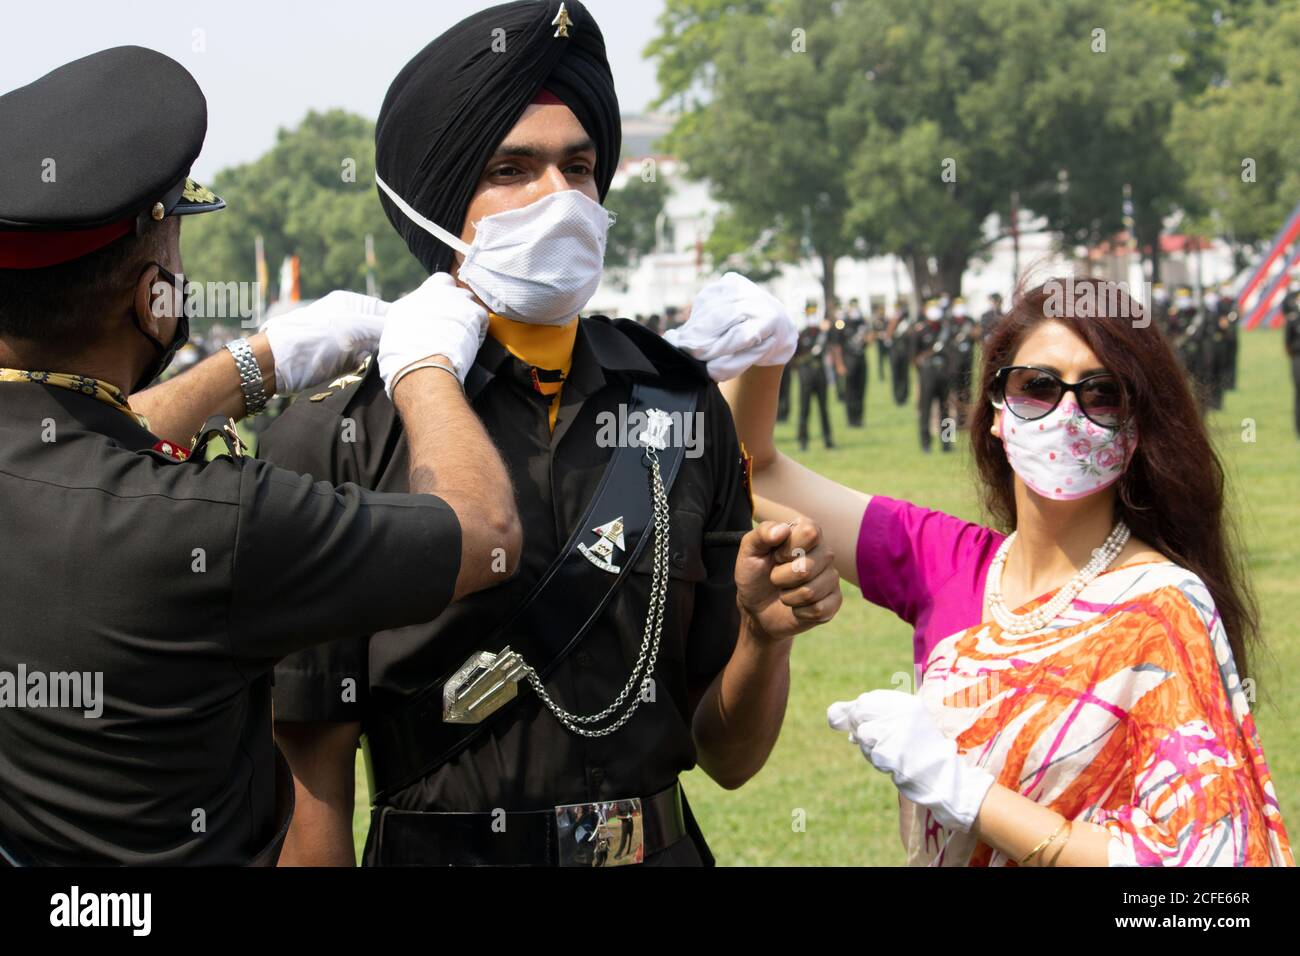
(1064, 455)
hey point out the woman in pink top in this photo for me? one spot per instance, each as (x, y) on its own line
(1082, 699)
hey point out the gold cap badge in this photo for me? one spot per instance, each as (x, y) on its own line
(562, 22)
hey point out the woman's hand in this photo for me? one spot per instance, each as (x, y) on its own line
(900, 737)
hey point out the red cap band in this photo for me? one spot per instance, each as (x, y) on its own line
(547, 98)
(36, 250)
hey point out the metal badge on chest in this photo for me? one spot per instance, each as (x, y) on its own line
(489, 680)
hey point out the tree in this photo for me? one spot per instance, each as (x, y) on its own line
(311, 195)
(902, 126)
(1239, 138)
(638, 203)
(759, 90)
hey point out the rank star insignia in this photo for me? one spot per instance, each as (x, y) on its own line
(562, 22)
(609, 537)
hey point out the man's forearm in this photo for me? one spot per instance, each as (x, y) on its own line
(450, 450)
(453, 457)
(178, 407)
(739, 718)
(322, 756)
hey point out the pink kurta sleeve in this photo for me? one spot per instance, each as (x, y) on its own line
(925, 566)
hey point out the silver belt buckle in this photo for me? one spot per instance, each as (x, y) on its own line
(606, 833)
(483, 684)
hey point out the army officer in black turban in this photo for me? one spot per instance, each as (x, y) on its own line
(531, 724)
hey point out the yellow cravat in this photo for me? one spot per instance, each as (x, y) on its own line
(90, 387)
(547, 347)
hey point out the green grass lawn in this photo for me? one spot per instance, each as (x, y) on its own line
(817, 801)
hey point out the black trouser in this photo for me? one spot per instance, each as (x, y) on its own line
(855, 387)
(1230, 363)
(900, 370)
(935, 389)
(1224, 358)
(882, 358)
(783, 396)
(1211, 380)
(1295, 381)
(812, 384)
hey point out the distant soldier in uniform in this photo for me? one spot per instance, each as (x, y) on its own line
(990, 317)
(879, 328)
(1227, 318)
(833, 323)
(964, 333)
(930, 355)
(900, 336)
(1160, 310)
(646, 631)
(1291, 342)
(164, 589)
(1214, 357)
(851, 337)
(1192, 335)
(810, 365)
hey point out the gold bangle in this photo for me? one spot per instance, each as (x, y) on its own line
(1065, 841)
(1044, 844)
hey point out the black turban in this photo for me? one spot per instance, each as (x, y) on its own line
(449, 109)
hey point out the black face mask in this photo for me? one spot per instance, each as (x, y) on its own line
(166, 352)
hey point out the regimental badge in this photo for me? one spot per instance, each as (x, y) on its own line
(658, 426)
(609, 537)
(562, 22)
(171, 450)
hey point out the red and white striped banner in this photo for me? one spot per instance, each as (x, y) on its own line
(1259, 300)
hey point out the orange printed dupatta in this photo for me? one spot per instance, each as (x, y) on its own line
(1127, 712)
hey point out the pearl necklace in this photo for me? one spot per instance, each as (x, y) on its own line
(1045, 614)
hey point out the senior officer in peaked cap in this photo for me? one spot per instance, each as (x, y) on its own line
(146, 598)
(533, 722)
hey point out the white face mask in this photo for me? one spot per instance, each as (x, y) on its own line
(1065, 455)
(540, 263)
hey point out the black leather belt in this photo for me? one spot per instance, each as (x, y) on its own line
(603, 833)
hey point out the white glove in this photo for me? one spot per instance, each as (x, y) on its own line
(735, 324)
(319, 342)
(899, 736)
(439, 318)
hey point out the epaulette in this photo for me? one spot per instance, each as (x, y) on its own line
(671, 362)
(344, 384)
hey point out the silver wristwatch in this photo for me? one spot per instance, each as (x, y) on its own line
(250, 377)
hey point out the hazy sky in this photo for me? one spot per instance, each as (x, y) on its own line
(267, 63)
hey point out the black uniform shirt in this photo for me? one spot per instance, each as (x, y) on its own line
(929, 340)
(528, 760)
(181, 583)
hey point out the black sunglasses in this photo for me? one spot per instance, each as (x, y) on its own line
(1030, 393)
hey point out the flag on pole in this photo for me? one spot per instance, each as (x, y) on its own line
(372, 283)
(289, 290)
(263, 278)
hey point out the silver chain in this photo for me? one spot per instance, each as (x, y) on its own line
(654, 625)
